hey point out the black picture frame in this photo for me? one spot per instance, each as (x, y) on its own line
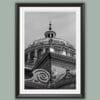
(17, 50)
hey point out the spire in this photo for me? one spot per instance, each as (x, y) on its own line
(50, 26)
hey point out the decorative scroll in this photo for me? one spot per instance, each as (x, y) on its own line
(41, 76)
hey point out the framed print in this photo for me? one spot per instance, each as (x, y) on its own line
(50, 50)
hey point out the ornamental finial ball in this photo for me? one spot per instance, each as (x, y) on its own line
(50, 26)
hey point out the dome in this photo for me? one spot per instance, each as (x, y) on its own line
(50, 39)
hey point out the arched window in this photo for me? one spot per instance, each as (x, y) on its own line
(49, 35)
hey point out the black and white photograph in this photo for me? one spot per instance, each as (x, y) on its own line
(50, 50)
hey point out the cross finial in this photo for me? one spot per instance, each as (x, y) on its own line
(50, 26)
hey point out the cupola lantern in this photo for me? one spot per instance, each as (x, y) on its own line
(50, 33)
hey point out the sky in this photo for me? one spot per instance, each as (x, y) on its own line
(37, 23)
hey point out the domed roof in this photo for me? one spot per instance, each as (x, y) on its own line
(51, 39)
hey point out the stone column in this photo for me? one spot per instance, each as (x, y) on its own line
(35, 53)
(35, 56)
(28, 57)
(43, 51)
(68, 52)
